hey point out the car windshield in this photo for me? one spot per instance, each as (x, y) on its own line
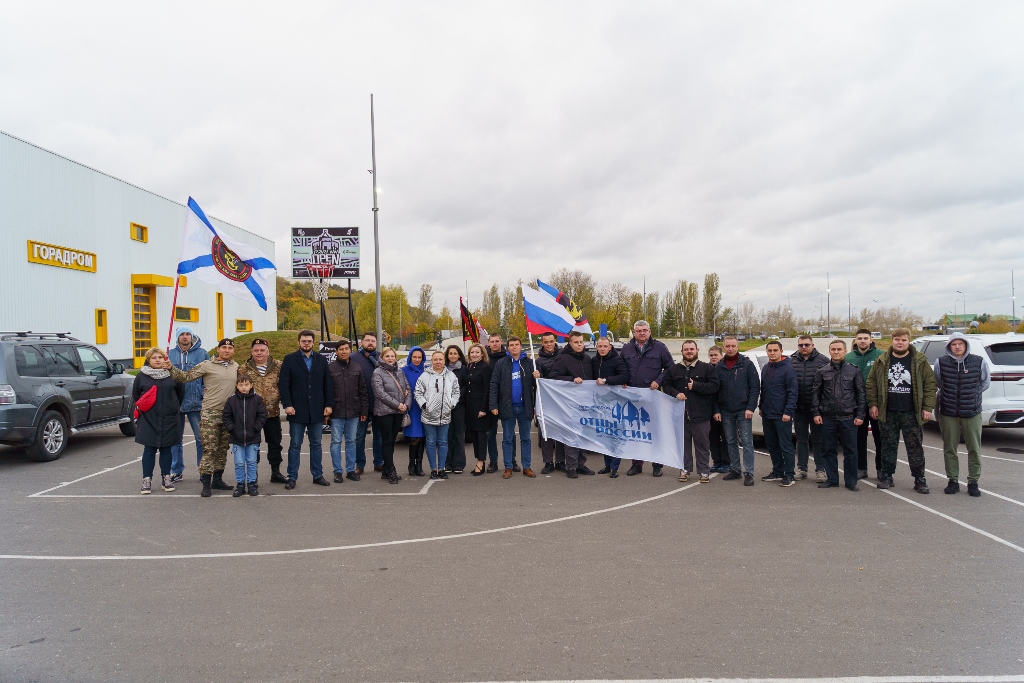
(1009, 353)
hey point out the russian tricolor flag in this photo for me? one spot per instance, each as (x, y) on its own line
(544, 314)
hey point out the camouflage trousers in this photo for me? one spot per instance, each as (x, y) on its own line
(897, 422)
(215, 442)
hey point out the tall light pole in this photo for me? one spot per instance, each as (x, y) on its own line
(965, 306)
(1013, 304)
(828, 316)
(849, 309)
(376, 232)
(821, 301)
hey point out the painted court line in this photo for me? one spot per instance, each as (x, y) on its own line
(358, 546)
(839, 679)
(181, 496)
(936, 448)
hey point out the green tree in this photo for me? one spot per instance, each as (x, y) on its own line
(394, 306)
(712, 304)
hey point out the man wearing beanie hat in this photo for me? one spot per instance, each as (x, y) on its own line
(219, 376)
(186, 355)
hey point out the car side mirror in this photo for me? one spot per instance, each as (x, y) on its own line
(117, 369)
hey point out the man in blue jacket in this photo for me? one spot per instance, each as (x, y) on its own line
(307, 394)
(186, 355)
(738, 388)
(779, 392)
(648, 361)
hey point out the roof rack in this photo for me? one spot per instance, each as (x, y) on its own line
(29, 334)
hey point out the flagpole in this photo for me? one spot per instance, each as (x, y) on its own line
(376, 233)
(174, 305)
(529, 334)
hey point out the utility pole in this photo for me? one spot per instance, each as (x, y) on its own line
(849, 309)
(828, 315)
(376, 232)
(1013, 300)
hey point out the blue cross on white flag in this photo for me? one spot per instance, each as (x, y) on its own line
(239, 269)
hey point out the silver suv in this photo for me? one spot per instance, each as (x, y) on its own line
(1003, 404)
(52, 386)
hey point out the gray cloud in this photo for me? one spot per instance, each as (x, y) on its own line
(770, 142)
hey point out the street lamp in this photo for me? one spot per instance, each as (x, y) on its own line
(965, 305)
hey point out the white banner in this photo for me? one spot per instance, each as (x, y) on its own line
(621, 422)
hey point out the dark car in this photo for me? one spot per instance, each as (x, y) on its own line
(53, 386)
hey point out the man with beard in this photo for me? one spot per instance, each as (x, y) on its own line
(695, 382)
(366, 357)
(806, 361)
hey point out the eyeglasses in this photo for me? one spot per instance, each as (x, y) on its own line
(804, 346)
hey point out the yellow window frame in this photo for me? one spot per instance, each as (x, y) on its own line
(138, 232)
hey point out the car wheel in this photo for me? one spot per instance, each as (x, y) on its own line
(51, 438)
(128, 428)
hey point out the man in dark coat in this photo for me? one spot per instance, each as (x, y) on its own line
(351, 407)
(366, 358)
(572, 365)
(648, 360)
(806, 361)
(552, 451)
(609, 368)
(307, 395)
(695, 382)
(495, 352)
(512, 401)
(778, 403)
(738, 389)
(839, 405)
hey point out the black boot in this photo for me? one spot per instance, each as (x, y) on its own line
(412, 459)
(920, 485)
(218, 481)
(239, 490)
(419, 458)
(206, 479)
(253, 489)
(276, 477)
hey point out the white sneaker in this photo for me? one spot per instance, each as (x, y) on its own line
(801, 474)
(820, 476)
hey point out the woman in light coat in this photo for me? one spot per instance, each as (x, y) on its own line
(437, 393)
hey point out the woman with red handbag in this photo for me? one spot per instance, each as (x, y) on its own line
(157, 399)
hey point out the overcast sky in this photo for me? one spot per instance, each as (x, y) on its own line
(770, 142)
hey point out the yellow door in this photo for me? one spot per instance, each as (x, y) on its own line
(220, 316)
(143, 325)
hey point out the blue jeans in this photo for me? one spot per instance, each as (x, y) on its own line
(521, 417)
(778, 436)
(347, 427)
(731, 424)
(378, 459)
(149, 460)
(437, 445)
(838, 431)
(178, 452)
(245, 462)
(296, 431)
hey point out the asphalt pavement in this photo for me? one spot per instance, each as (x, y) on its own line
(485, 579)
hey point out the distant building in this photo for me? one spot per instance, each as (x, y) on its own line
(86, 253)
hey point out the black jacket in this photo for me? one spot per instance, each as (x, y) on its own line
(700, 401)
(805, 369)
(367, 363)
(544, 361)
(739, 387)
(501, 386)
(611, 368)
(839, 391)
(158, 426)
(244, 416)
(461, 374)
(569, 365)
(307, 391)
(493, 358)
(478, 397)
(351, 397)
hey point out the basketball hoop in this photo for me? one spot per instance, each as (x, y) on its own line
(321, 271)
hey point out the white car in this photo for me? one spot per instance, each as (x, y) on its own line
(1002, 405)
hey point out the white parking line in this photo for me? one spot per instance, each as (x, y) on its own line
(182, 496)
(358, 546)
(839, 679)
(962, 483)
(89, 476)
(936, 448)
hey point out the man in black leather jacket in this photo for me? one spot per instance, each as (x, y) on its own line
(838, 403)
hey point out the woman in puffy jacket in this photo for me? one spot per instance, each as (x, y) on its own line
(157, 425)
(391, 400)
(437, 393)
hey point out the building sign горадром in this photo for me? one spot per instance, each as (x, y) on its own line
(61, 257)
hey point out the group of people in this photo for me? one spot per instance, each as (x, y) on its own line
(452, 398)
